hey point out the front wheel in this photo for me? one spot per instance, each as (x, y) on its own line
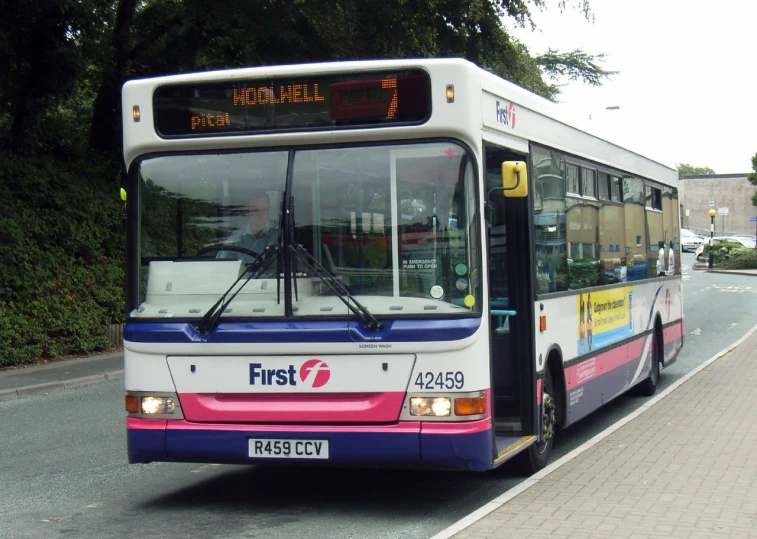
(537, 455)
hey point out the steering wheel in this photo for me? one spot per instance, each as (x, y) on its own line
(234, 248)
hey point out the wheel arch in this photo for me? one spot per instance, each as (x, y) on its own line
(554, 363)
(658, 334)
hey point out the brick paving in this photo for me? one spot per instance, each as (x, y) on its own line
(686, 467)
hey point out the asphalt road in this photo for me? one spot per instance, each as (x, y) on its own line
(63, 467)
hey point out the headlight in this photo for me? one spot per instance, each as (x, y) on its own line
(430, 406)
(456, 406)
(148, 405)
(158, 405)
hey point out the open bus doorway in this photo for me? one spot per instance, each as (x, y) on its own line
(510, 304)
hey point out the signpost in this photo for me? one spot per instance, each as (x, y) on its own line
(723, 211)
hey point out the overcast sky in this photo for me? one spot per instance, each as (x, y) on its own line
(687, 83)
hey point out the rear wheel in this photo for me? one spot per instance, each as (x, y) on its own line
(537, 455)
(648, 387)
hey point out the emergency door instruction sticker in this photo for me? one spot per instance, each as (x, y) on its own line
(419, 263)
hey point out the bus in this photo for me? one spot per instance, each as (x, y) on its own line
(453, 269)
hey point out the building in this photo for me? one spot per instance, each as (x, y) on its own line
(729, 194)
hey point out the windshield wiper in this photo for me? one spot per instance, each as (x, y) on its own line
(253, 270)
(330, 280)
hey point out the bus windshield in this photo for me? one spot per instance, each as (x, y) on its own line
(395, 225)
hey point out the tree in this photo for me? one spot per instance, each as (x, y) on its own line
(64, 61)
(43, 55)
(103, 135)
(154, 37)
(753, 178)
(684, 169)
(575, 65)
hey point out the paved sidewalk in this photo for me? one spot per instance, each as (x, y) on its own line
(686, 467)
(61, 374)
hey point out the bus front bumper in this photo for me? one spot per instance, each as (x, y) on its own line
(462, 446)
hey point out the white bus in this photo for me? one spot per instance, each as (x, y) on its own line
(408, 263)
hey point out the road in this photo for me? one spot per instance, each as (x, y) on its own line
(64, 468)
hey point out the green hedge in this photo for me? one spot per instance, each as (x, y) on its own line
(718, 255)
(745, 258)
(583, 273)
(61, 270)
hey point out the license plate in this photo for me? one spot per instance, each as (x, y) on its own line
(288, 449)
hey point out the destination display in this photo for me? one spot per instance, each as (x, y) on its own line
(292, 103)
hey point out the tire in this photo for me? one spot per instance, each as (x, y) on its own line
(537, 456)
(648, 387)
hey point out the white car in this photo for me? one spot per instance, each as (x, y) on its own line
(690, 241)
(746, 241)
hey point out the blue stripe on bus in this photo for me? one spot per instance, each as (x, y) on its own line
(412, 449)
(606, 338)
(303, 331)
(471, 452)
(146, 445)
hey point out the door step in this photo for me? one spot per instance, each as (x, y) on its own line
(509, 446)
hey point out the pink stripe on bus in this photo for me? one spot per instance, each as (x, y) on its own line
(580, 373)
(451, 427)
(293, 408)
(145, 424)
(672, 333)
(403, 427)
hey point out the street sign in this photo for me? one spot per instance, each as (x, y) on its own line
(712, 203)
(722, 211)
(753, 219)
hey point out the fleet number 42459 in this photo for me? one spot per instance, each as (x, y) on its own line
(440, 380)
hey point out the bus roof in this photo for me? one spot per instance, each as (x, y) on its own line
(558, 128)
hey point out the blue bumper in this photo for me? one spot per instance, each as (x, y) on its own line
(470, 451)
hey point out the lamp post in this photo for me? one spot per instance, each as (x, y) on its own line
(712, 213)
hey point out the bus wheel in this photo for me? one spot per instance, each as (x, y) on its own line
(648, 387)
(539, 453)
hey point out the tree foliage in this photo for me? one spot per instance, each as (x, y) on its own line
(60, 259)
(574, 65)
(46, 48)
(684, 169)
(66, 60)
(753, 178)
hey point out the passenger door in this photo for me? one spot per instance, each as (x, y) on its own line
(511, 302)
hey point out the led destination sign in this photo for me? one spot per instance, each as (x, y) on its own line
(251, 106)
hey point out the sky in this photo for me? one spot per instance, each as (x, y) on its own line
(687, 83)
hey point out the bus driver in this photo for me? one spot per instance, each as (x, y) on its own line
(258, 232)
